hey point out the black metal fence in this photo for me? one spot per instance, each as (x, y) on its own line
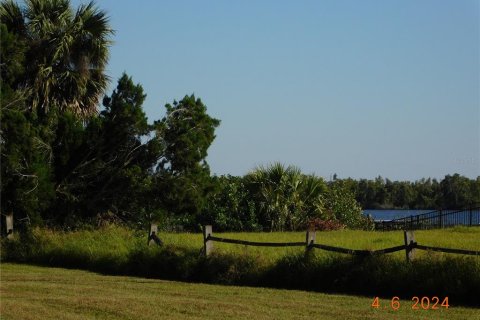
(433, 220)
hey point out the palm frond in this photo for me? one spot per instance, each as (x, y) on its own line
(12, 16)
(68, 52)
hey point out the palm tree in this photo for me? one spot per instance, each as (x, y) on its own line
(285, 197)
(313, 191)
(67, 52)
(275, 189)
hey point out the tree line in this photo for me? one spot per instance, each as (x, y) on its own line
(67, 162)
(451, 192)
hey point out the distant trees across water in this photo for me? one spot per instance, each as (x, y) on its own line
(452, 192)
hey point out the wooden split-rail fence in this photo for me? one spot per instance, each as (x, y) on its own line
(410, 245)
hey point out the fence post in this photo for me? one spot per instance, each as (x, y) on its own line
(9, 224)
(409, 238)
(152, 236)
(310, 238)
(440, 219)
(207, 244)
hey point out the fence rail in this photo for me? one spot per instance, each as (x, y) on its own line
(433, 220)
(409, 245)
(359, 252)
(448, 250)
(257, 244)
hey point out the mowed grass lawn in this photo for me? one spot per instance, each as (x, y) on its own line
(31, 292)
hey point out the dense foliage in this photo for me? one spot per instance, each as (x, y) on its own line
(183, 175)
(283, 198)
(66, 162)
(452, 192)
(279, 198)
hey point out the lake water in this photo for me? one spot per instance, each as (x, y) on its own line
(393, 214)
(450, 217)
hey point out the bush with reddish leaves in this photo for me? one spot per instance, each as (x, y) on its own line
(326, 225)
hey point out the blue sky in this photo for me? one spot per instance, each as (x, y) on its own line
(357, 88)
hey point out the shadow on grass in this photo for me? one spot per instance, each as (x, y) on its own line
(457, 277)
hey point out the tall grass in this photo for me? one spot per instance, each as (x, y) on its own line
(117, 250)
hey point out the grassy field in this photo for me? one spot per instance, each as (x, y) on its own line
(29, 292)
(121, 241)
(115, 250)
(459, 237)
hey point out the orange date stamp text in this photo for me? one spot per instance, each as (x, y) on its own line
(418, 303)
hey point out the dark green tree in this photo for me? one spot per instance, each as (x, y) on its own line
(52, 66)
(456, 192)
(26, 187)
(107, 165)
(187, 131)
(426, 194)
(229, 206)
(342, 204)
(183, 177)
